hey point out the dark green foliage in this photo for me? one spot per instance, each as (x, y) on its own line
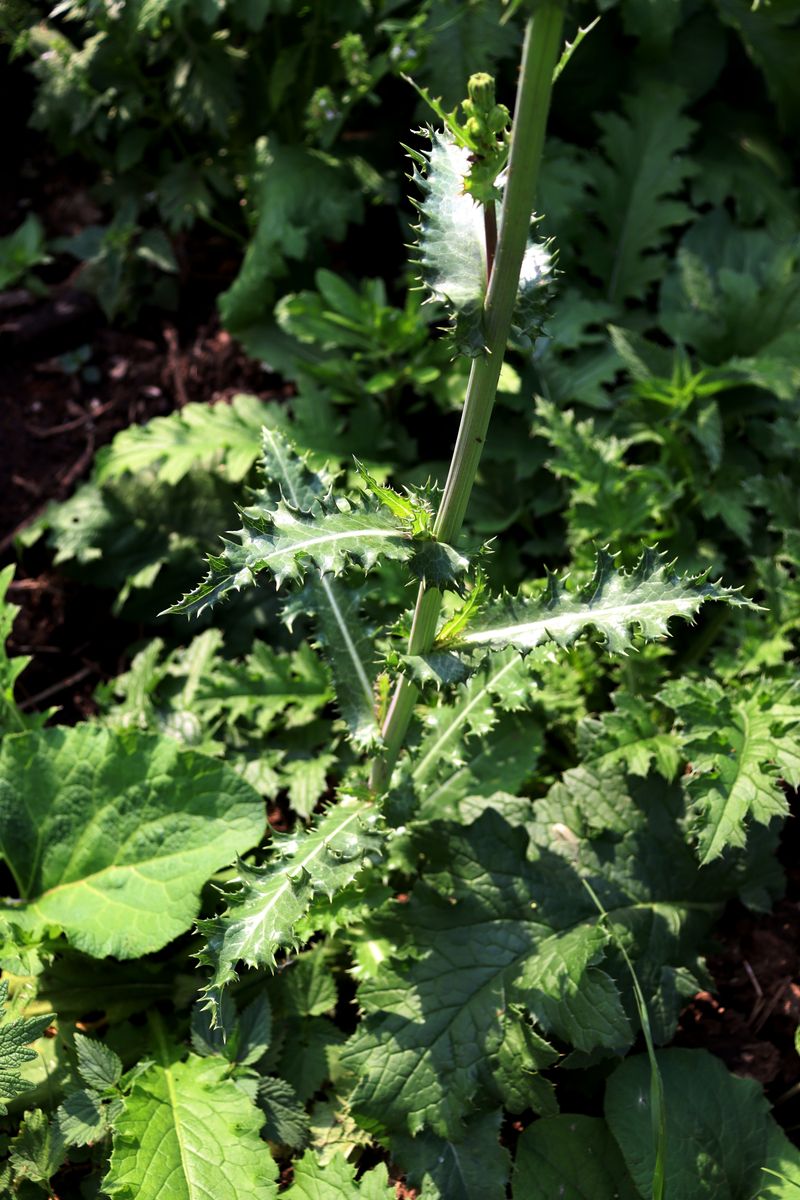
(417, 977)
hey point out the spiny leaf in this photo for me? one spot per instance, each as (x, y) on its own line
(740, 740)
(287, 543)
(504, 684)
(452, 249)
(614, 603)
(336, 1180)
(347, 640)
(271, 900)
(16, 1034)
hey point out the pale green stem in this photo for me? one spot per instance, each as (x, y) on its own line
(539, 58)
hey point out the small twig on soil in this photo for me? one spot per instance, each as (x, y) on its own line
(79, 466)
(29, 701)
(757, 988)
(175, 365)
(54, 430)
(27, 486)
(770, 1008)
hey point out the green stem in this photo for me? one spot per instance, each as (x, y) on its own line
(539, 58)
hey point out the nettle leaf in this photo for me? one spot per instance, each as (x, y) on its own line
(98, 1065)
(11, 719)
(38, 1149)
(287, 1123)
(16, 1034)
(452, 249)
(271, 900)
(474, 1168)
(614, 603)
(740, 740)
(336, 1180)
(195, 434)
(110, 835)
(188, 1132)
(435, 1024)
(719, 1132)
(635, 188)
(573, 1156)
(83, 1118)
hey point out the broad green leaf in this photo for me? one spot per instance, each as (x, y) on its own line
(195, 434)
(111, 835)
(16, 1035)
(452, 249)
(188, 1132)
(635, 185)
(336, 1180)
(719, 1130)
(435, 1024)
(740, 741)
(614, 603)
(572, 1157)
(475, 1167)
(270, 900)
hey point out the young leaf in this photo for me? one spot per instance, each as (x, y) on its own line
(98, 1066)
(111, 835)
(38, 1149)
(188, 1132)
(452, 250)
(16, 1034)
(11, 719)
(740, 741)
(336, 1180)
(270, 900)
(83, 1118)
(614, 603)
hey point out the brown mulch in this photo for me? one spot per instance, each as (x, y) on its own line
(56, 411)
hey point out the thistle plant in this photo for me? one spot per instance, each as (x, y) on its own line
(479, 258)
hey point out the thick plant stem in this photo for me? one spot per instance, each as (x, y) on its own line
(539, 58)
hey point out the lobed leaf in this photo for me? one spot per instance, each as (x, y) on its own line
(740, 741)
(271, 900)
(614, 603)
